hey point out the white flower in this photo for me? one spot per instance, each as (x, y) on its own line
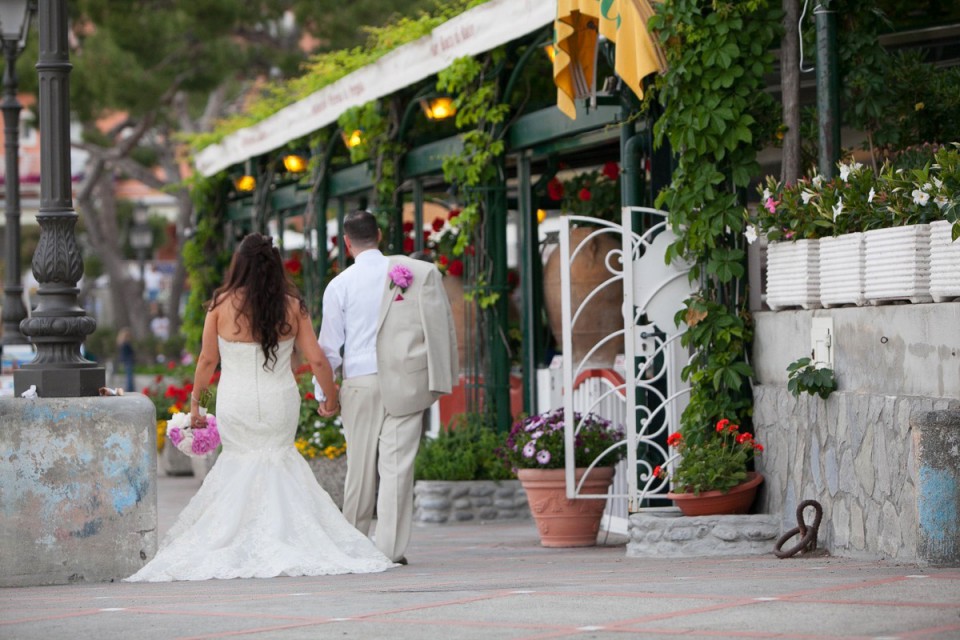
(844, 172)
(871, 195)
(806, 195)
(941, 201)
(767, 195)
(927, 186)
(838, 208)
(939, 183)
(920, 197)
(817, 180)
(536, 435)
(750, 234)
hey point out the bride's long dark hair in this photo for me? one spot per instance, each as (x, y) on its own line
(257, 275)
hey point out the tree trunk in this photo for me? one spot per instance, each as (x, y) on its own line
(184, 218)
(790, 82)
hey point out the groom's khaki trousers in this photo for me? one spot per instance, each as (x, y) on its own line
(378, 444)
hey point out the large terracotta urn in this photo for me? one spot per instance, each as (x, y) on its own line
(562, 522)
(603, 315)
(463, 311)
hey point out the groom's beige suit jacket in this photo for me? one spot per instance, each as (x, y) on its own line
(416, 341)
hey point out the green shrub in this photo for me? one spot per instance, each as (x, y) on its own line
(465, 451)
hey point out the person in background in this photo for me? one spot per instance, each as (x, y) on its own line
(126, 356)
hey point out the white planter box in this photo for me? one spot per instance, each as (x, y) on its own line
(897, 264)
(793, 274)
(944, 262)
(841, 270)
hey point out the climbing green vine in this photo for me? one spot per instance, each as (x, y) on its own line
(715, 117)
(205, 255)
(378, 123)
(473, 84)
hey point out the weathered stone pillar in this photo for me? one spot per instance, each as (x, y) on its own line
(78, 489)
(936, 438)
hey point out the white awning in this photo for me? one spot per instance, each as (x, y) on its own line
(480, 29)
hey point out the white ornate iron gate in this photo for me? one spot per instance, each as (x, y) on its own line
(654, 395)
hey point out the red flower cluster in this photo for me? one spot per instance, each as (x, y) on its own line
(293, 266)
(555, 189)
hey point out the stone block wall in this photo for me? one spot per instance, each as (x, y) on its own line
(854, 454)
(446, 502)
(78, 491)
(665, 533)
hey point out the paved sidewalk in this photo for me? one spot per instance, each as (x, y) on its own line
(495, 581)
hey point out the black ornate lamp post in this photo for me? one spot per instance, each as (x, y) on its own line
(58, 325)
(14, 25)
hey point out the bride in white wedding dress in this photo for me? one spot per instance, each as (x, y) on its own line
(260, 512)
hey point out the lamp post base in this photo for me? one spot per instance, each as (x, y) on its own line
(66, 382)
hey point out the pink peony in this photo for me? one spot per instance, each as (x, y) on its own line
(401, 277)
(176, 436)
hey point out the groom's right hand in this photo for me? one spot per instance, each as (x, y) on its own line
(329, 407)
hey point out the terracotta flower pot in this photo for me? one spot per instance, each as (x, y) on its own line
(709, 503)
(562, 522)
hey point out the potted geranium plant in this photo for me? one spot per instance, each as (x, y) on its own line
(535, 449)
(711, 476)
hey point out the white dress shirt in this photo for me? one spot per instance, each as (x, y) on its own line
(355, 294)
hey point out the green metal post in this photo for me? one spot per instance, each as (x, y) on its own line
(497, 381)
(828, 90)
(341, 247)
(418, 215)
(528, 254)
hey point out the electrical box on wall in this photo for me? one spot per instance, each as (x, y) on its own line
(822, 342)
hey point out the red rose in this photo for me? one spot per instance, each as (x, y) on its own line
(456, 268)
(407, 227)
(426, 236)
(443, 260)
(453, 214)
(438, 224)
(408, 245)
(555, 189)
(309, 396)
(585, 194)
(292, 266)
(611, 170)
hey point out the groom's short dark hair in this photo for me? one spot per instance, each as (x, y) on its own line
(361, 227)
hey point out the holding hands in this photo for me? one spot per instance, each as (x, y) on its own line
(331, 405)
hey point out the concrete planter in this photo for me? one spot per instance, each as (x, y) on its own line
(944, 262)
(897, 264)
(841, 270)
(793, 274)
(451, 501)
(331, 474)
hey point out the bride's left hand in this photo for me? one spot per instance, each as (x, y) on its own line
(197, 421)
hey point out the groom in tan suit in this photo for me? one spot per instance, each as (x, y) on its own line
(392, 319)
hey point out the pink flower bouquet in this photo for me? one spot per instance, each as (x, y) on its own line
(195, 442)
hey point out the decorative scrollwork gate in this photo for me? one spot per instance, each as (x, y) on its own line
(653, 292)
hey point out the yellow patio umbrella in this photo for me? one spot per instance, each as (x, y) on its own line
(579, 23)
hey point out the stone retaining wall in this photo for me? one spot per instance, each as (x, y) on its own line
(443, 501)
(854, 454)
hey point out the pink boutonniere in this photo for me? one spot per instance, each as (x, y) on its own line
(400, 277)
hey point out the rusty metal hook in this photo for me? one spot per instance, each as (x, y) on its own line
(808, 535)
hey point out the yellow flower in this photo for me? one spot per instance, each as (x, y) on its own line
(919, 106)
(161, 434)
(174, 409)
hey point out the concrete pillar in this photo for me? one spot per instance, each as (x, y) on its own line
(78, 490)
(936, 438)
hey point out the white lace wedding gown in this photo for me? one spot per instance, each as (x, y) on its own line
(260, 512)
